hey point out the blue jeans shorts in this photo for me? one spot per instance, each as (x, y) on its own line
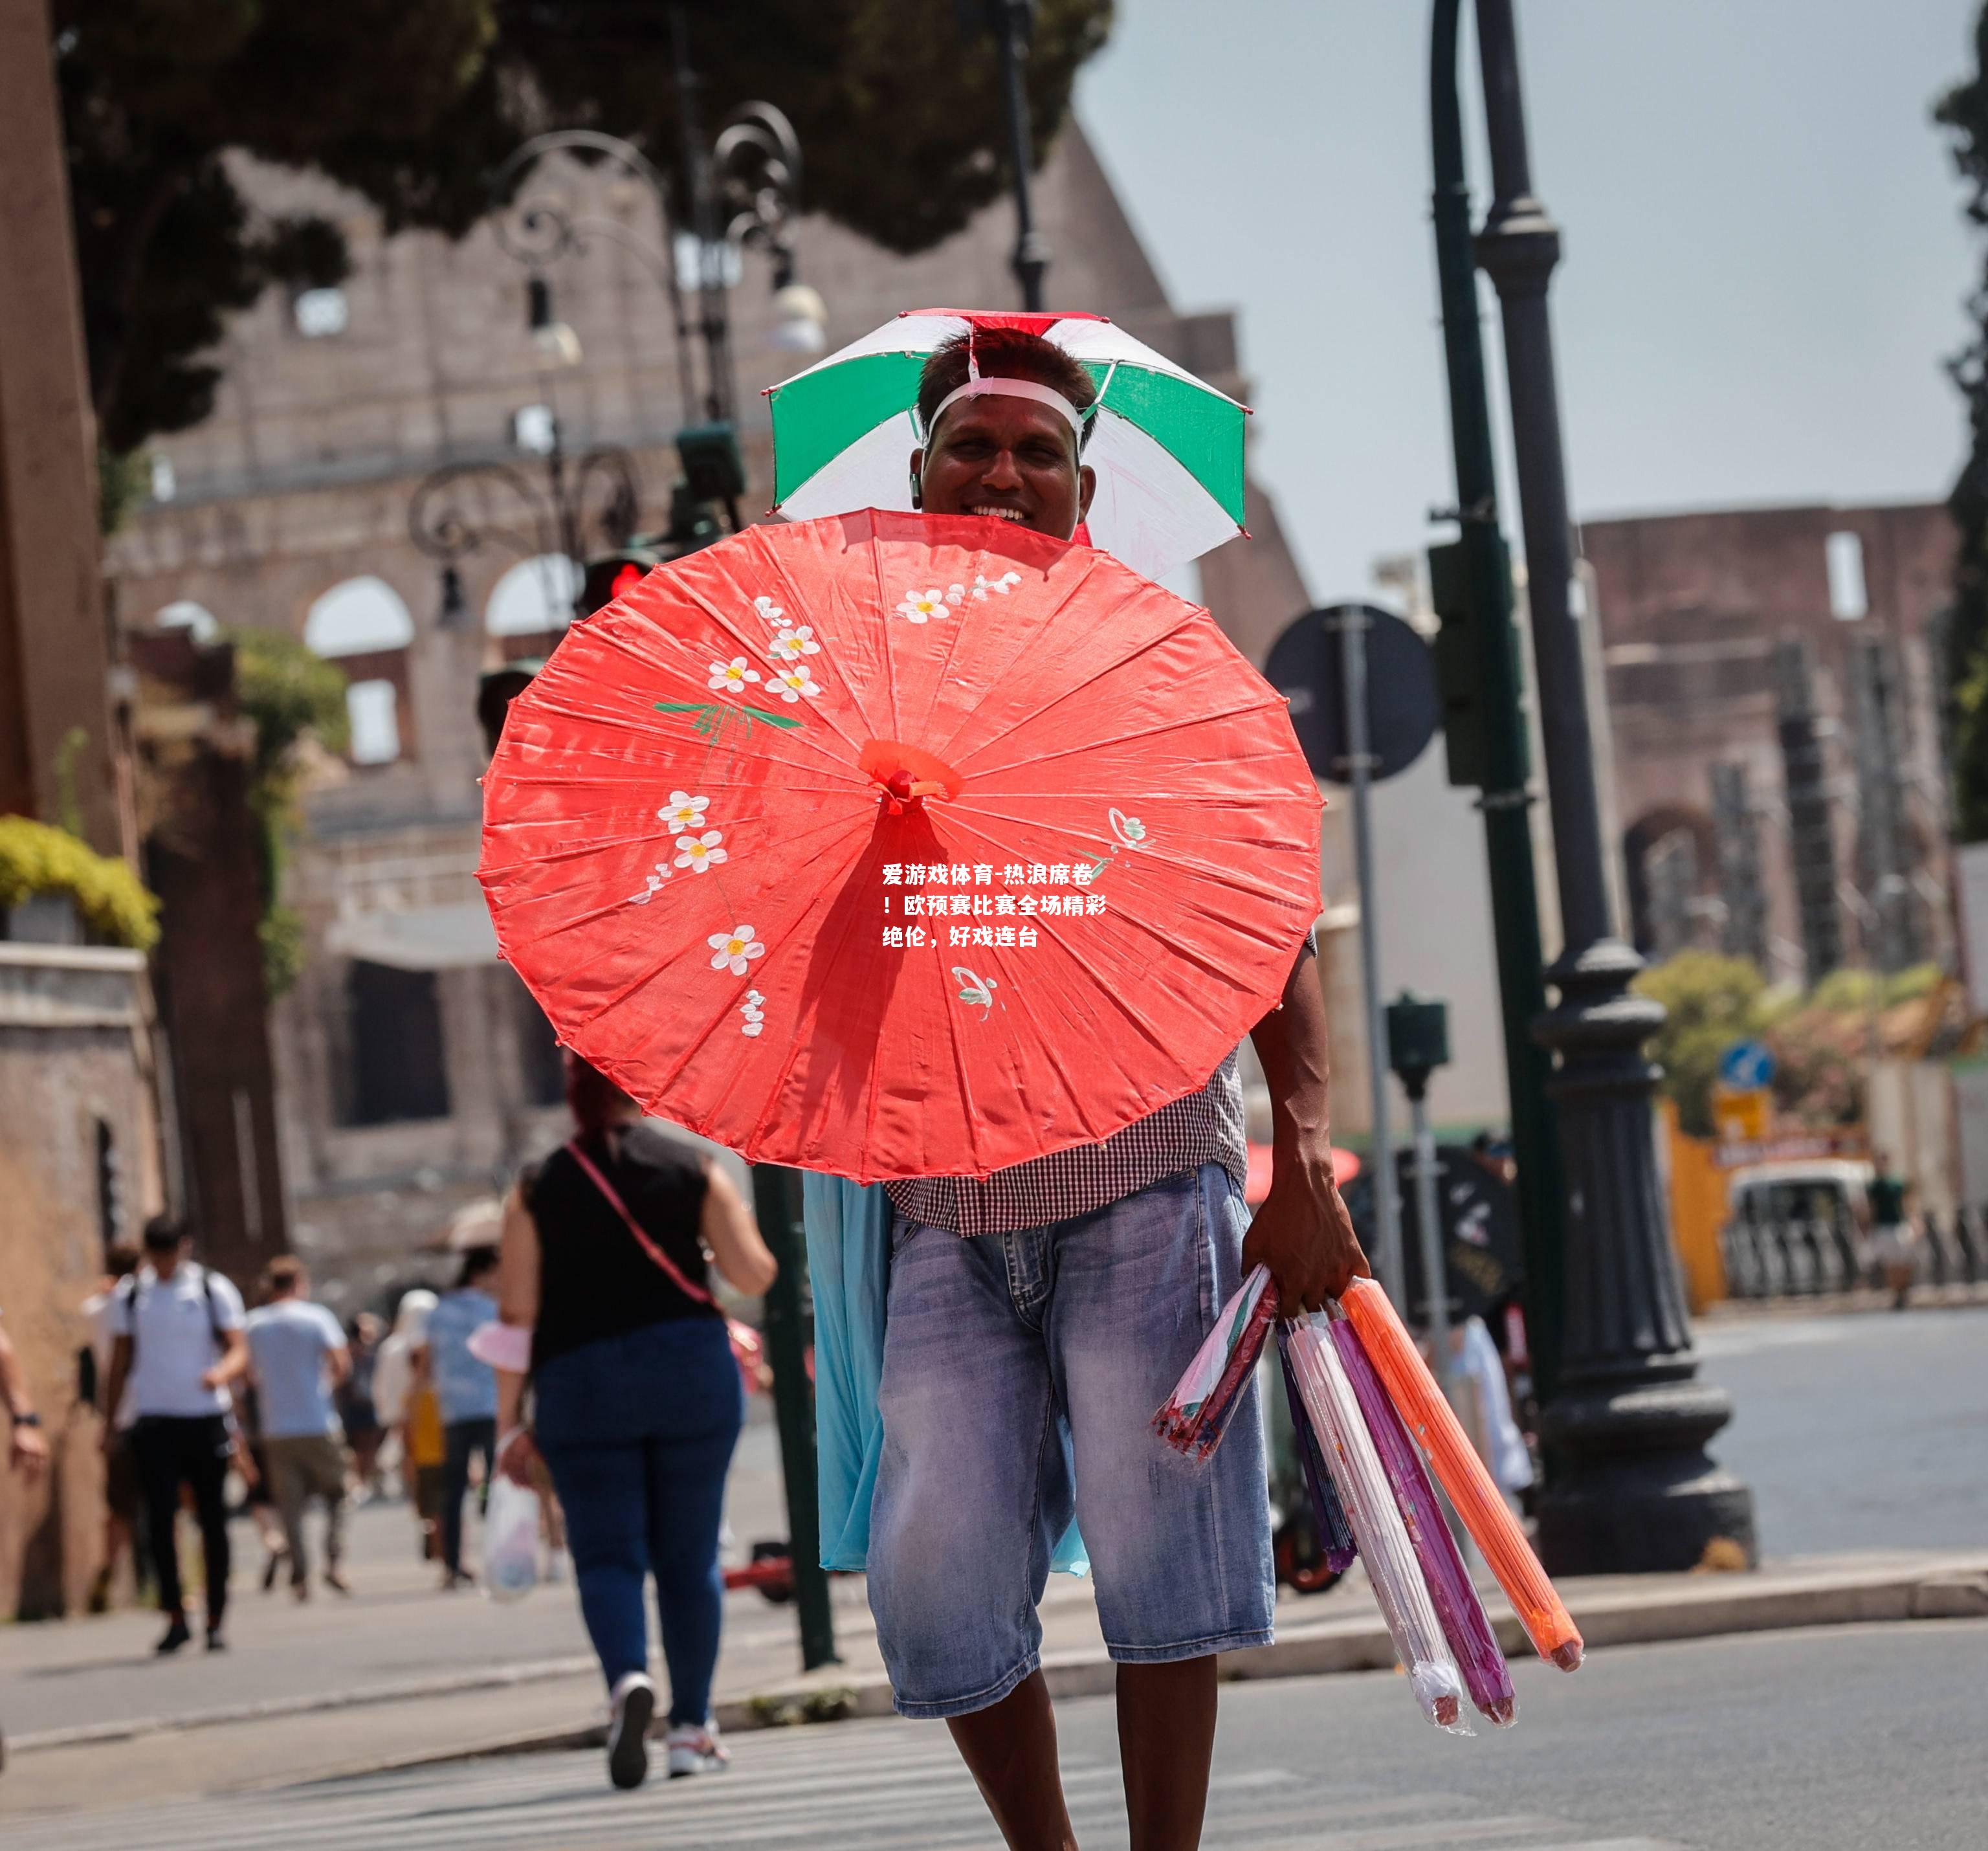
(1021, 1375)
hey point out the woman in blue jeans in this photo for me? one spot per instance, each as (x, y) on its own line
(638, 1400)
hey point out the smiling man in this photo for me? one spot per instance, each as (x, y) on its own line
(1036, 1318)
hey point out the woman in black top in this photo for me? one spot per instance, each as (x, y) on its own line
(639, 1401)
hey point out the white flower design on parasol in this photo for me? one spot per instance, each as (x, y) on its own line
(698, 853)
(732, 950)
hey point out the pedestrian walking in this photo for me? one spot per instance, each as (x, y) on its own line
(179, 1343)
(123, 1502)
(605, 1292)
(357, 1413)
(299, 1354)
(1894, 1240)
(465, 1392)
(1035, 1319)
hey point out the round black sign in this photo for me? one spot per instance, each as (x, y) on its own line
(1403, 706)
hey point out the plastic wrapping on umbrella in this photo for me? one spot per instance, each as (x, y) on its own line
(1335, 1534)
(1465, 1625)
(1436, 1430)
(1384, 1546)
(1196, 1416)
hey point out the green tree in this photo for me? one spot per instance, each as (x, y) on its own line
(293, 698)
(416, 102)
(1711, 1002)
(1963, 112)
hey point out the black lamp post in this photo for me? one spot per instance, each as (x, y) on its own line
(1012, 23)
(1630, 1486)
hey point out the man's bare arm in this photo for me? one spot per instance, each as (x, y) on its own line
(1302, 1232)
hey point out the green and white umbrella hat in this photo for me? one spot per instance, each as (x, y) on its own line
(1167, 448)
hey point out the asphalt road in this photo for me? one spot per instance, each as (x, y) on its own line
(1863, 1431)
(1846, 1739)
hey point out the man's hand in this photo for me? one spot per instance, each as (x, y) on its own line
(29, 1453)
(1303, 1233)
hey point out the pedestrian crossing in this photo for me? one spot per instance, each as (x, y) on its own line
(883, 1786)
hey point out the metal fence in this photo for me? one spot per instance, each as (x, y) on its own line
(1801, 1257)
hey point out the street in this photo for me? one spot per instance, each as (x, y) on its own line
(1847, 1739)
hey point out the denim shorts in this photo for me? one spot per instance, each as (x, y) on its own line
(1021, 1375)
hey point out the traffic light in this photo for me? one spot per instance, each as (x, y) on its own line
(608, 575)
(1465, 680)
(497, 689)
(713, 469)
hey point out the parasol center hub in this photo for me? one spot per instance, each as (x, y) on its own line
(908, 773)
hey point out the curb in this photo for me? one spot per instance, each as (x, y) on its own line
(1623, 1618)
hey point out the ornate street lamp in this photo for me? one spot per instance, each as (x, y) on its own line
(1012, 23)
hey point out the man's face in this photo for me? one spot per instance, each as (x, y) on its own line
(1010, 458)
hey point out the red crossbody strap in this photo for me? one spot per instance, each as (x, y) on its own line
(655, 1253)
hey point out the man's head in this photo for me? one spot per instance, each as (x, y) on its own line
(121, 1259)
(1015, 456)
(478, 1264)
(286, 1278)
(165, 1241)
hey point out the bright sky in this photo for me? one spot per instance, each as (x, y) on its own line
(1765, 258)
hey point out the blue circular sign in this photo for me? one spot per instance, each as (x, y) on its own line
(1746, 1066)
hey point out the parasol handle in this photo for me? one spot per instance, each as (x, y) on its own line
(908, 774)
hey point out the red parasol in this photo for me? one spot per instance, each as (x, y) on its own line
(895, 845)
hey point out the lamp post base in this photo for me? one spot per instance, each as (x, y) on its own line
(1635, 1492)
(1631, 1488)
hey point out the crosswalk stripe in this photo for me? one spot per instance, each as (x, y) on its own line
(864, 1786)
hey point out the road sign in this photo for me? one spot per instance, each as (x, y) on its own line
(1742, 1114)
(1403, 708)
(1746, 1066)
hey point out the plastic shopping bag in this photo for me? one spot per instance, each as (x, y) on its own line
(510, 1540)
(1196, 1416)
(1465, 1625)
(1436, 1430)
(1384, 1546)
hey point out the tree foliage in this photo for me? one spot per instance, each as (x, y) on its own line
(294, 698)
(1963, 112)
(415, 103)
(114, 906)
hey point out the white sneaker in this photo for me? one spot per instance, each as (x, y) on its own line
(631, 1708)
(696, 1751)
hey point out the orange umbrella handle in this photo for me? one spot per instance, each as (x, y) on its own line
(1428, 1414)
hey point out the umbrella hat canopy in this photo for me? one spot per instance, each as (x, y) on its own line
(1167, 448)
(897, 845)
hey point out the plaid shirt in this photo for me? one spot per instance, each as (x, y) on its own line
(1205, 1127)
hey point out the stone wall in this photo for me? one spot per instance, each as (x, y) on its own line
(70, 1051)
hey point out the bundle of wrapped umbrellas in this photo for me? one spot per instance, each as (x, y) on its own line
(1368, 1412)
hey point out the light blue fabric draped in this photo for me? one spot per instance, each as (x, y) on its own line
(849, 1269)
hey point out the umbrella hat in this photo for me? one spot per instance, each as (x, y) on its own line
(897, 845)
(1167, 448)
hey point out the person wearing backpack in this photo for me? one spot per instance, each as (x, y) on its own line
(606, 1301)
(178, 1340)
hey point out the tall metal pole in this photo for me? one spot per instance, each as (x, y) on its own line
(1429, 1229)
(714, 323)
(1633, 1488)
(777, 1202)
(1013, 21)
(1508, 835)
(1350, 621)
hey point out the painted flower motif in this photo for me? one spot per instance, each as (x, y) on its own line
(1128, 829)
(699, 853)
(922, 607)
(731, 950)
(755, 1016)
(791, 645)
(794, 682)
(731, 677)
(660, 874)
(1000, 586)
(768, 609)
(753, 999)
(751, 1028)
(684, 811)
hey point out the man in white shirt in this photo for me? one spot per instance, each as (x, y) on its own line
(179, 1344)
(300, 1358)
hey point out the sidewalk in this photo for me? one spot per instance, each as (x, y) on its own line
(506, 1704)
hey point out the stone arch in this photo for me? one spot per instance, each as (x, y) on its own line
(184, 613)
(530, 606)
(363, 625)
(1670, 830)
